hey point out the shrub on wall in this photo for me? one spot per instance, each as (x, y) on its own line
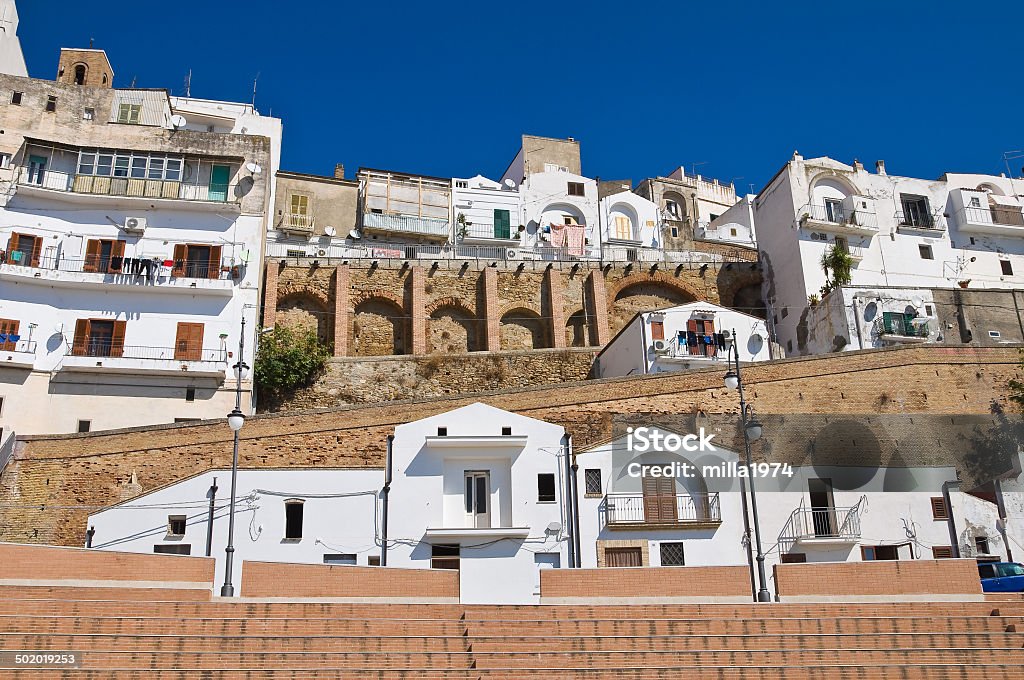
(286, 360)
(1017, 387)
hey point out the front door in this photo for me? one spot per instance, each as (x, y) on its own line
(659, 497)
(478, 500)
(823, 509)
(219, 178)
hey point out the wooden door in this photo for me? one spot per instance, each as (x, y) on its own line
(219, 178)
(188, 345)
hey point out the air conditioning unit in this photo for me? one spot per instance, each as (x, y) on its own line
(727, 335)
(662, 347)
(511, 254)
(321, 253)
(135, 225)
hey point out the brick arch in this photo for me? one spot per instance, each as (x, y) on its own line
(454, 302)
(288, 290)
(379, 325)
(364, 296)
(304, 311)
(653, 291)
(523, 328)
(657, 278)
(452, 328)
(576, 329)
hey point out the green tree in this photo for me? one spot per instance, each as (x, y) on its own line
(287, 359)
(837, 262)
(1017, 387)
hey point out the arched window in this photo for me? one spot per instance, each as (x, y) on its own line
(673, 210)
(80, 74)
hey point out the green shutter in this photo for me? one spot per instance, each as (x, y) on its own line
(887, 319)
(502, 224)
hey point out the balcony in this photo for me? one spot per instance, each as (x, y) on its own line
(895, 327)
(488, 234)
(128, 191)
(17, 354)
(196, 278)
(919, 222)
(297, 224)
(102, 357)
(838, 220)
(997, 220)
(822, 526)
(391, 224)
(679, 511)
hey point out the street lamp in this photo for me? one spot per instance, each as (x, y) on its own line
(236, 419)
(752, 430)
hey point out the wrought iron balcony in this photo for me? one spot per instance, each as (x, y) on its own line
(916, 220)
(822, 525)
(623, 511)
(1000, 220)
(837, 218)
(103, 355)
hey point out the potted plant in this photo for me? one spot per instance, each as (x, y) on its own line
(964, 283)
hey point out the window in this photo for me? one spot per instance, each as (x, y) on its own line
(9, 336)
(576, 189)
(196, 261)
(190, 394)
(675, 232)
(16, 98)
(444, 557)
(340, 558)
(623, 557)
(477, 499)
(672, 208)
(5, 160)
(299, 209)
(176, 525)
(99, 338)
(1006, 267)
(88, 114)
(623, 228)
(80, 74)
(939, 508)
(794, 558)
(592, 482)
(915, 211)
(461, 184)
(373, 561)
(834, 210)
(84, 425)
(36, 170)
(442, 432)
(506, 432)
(103, 256)
(672, 555)
(987, 570)
(928, 310)
(51, 104)
(173, 549)
(732, 231)
(293, 520)
(502, 224)
(188, 343)
(878, 552)
(1009, 570)
(981, 545)
(109, 163)
(995, 335)
(975, 202)
(942, 552)
(546, 487)
(926, 252)
(129, 114)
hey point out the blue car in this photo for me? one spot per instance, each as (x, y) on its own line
(1002, 577)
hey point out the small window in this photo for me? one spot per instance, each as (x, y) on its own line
(84, 425)
(442, 432)
(870, 553)
(975, 202)
(5, 160)
(939, 509)
(173, 549)
(461, 184)
(928, 311)
(657, 330)
(672, 555)
(592, 481)
(88, 114)
(942, 552)
(51, 104)
(16, 98)
(926, 252)
(675, 232)
(340, 558)
(293, 520)
(981, 545)
(373, 561)
(190, 394)
(506, 432)
(794, 558)
(546, 487)
(995, 335)
(576, 189)
(732, 231)
(444, 557)
(176, 525)
(1006, 267)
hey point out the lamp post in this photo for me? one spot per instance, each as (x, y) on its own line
(752, 430)
(236, 419)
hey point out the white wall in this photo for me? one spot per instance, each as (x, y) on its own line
(546, 200)
(12, 60)
(478, 202)
(645, 223)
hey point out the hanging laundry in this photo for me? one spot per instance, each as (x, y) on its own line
(691, 338)
(575, 238)
(558, 235)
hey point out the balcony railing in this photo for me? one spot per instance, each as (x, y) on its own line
(903, 326)
(822, 524)
(839, 215)
(1002, 215)
(298, 223)
(128, 187)
(9, 345)
(489, 231)
(407, 224)
(917, 220)
(103, 348)
(132, 270)
(673, 509)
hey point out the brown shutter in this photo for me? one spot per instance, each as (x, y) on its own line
(12, 245)
(188, 345)
(657, 330)
(939, 510)
(116, 250)
(180, 257)
(10, 327)
(92, 256)
(623, 557)
(215, 262)
(942, 552)
(37, 250)
(81, 337)
(117, 341)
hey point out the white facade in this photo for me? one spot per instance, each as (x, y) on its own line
(901, 232)
(486, 213)
(630, 220)
(558, 197)
(12, 59)
(674, 339)
(735, 225)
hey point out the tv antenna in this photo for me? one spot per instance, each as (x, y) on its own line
(1010, 156)
(254, 81)
(188, 84)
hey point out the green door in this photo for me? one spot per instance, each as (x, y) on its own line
(219, 176)
(502, 224)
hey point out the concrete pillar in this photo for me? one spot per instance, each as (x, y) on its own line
(556, 297)
(270, 294)
(600, 333)
(492, 307)
(341, 320)
(418, 310)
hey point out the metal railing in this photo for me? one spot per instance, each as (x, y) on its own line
(105, 348)
(1006, 215)
(408, 224)
(899, 325)
(622, 508)
(26, 346)
(917, 220)
(489, 231)
(822, 523)
(132, 187)
(837, 214)
(131, 270)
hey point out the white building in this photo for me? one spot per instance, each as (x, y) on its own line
(133, 239)
(903, 235)
(690, 336)
(12, 60)
(735, 225)
(487, 213)
(556, 200)
(628, 222)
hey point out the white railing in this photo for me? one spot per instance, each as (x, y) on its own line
(408, 224)
(841, 524)
(1002, 215)
(131, 187)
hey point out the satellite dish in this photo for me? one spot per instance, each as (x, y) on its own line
(917, 302)
(555, 527)
(178, 121)
(254, 168)
(510, 184)
(330, 231)
(354, 234)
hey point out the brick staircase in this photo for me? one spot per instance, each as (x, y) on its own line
(173, 635)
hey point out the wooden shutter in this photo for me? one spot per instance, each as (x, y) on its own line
(78, 348)
(939, 509)
(657, 330)
(180, 259)
(12, 245)
(92, 255)
(9, 327)
(623, 557)
(37, 250)
(659, 499)
(215, 262)
(942, 552)
(116, 250)
(502, 224)
(117, 341)
(188, 345)
(794, 558)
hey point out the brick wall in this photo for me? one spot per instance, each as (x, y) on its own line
(851, 580)
(663, 584)
(275, 579)
(38, 562)
(49, 473)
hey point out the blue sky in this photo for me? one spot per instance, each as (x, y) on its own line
(446, 88)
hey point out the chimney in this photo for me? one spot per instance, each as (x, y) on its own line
(339, 171)
(880, 167)
(857, 165)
